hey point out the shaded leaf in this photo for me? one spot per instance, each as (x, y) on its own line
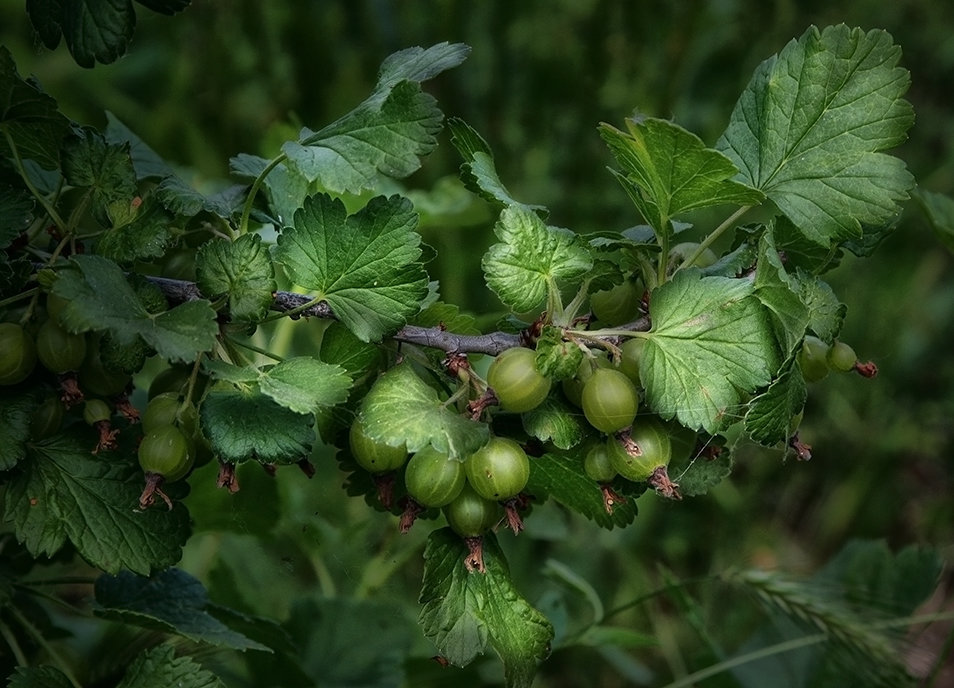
(171, 601)
(63, 492)
(29, 116)
(160, 668)
(244, 425)
(16, 213)
(100, 298)
(240, 269)
(561, 477)
(770, 414)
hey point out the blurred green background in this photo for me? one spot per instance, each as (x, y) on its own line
(234, 76)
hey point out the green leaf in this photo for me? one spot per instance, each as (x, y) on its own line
(667, 170)
(227, 372)
(160, 668)
(170, 601)
(16, 213)
(781, 294)
(465, 610)
(16, 411)
(711, 342)
(245, 425)
(95, 30)
(285, 187)
(770, 414)
(147, 233)
(29, 116)
(556, 358)
(387, 134)
(561, 477)
(100, 298)
(401, 408)
(174, 193)
(105, 169)
(870, 573)
(448, 316)
(305, 385)
(168, 7)
(243, 270)
(532, 258)
(808, 128)
(939, 210)
(555, 421)
(478, 172)
(43, 676)
(365, 265)
(63, 492)
(701, 473)
(146, 162)
(348, 642)
(341, 347)
(826, 313)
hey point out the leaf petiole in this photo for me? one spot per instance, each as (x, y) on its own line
(715, 234)
(18, 162)
(41, 641)
(253, 191)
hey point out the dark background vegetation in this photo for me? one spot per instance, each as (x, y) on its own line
(235, 76)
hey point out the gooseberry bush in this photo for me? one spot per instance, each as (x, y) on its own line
(633, 362)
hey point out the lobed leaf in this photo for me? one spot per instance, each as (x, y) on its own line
(478, 172)
(365, 266)
(401, 409)
(387, 134)
(711, 342)
(16, 412)
(770, 414)
(555, 421)
(16, 213)
(104, 169)
(464, 611)
(242, 270)
(939, 210)
(667, 170)
(561, 477)
(244, 425)
(304, 384)
(62, 492)
(99, 298)
(145, 233)
(532, 258)
(808, 129)
(781, 295)
(170, 601)
(42, 676)
(160, 668)
(29, 117)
